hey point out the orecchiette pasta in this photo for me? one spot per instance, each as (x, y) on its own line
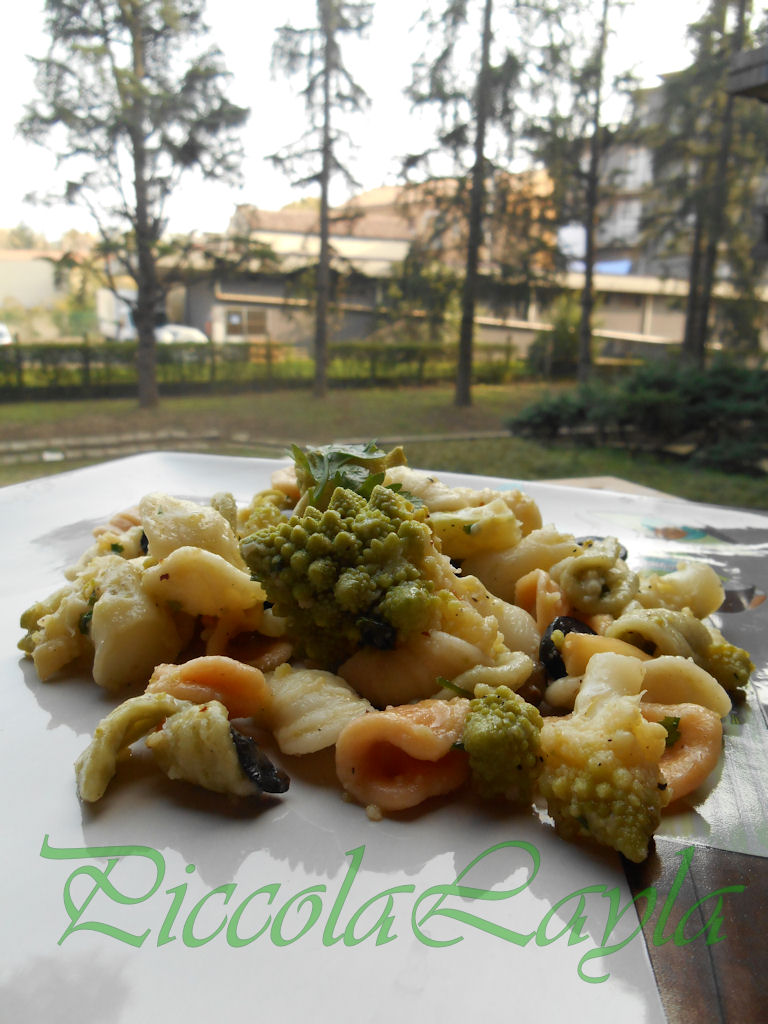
(692, 757)
(412, 671)
(121, 728)
(693, 585)
(500, 571)
(396, 759)
(310, 707)
(241, 688)
(199, 582)
(595, 579)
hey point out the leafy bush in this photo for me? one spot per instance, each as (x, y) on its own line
(719, 416)
(555, 353)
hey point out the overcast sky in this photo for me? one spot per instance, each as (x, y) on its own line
(650, 35)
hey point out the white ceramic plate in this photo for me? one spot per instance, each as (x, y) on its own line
(162, 902)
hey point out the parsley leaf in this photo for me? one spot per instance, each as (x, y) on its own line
(357, 467)
(671, 724)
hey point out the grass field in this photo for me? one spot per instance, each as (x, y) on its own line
(437, 435)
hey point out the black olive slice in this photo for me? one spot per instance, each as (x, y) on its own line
(257, 766)
(549, 655)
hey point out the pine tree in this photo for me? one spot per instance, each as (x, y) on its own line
(709, 161)
(130, 103)
(570, 137)
(481, 118)
(315, 54)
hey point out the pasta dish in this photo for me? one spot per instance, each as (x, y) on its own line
(441, 640)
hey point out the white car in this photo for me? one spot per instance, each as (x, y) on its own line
(6, 338)
(179, 332)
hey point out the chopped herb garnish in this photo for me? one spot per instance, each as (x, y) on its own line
(671, 723)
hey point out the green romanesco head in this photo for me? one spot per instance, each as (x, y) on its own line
(730, 665)
(348, 576)
(605, 801)
(601, 777)
(502, 736)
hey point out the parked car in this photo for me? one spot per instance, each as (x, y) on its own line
(6, 338)
(179, 332)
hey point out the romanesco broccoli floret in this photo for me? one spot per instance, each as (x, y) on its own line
(265, 509)
(601, 776)
(502, 736)
(348, 576)
(730, 665)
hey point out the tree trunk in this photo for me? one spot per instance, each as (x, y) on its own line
(146, 271)
(463, 395)
(324, 258)
(718, 201)
(692, 352)
(590, 217)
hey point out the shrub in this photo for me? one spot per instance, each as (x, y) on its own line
(720, 414)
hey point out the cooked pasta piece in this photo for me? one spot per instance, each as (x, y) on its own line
(561, 693)
(411, 671)
(134, 718)
(198, 745)
(693, 585)
(518, 628)
(242, 689)
(541, 597)
(310, 707)
(577, 648)
(171, 523)
(284, 479)
(396, 759)
(674, 680)
(121, 521)
(500, 571)
(595, 579)
(439, 497)
(512, 669)
(109, 541)
(219, 632)
(695, 751)
(661, 631)
(467, 531)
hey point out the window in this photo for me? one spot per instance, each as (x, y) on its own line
(244, 323)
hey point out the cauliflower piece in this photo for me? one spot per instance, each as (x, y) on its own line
(57, 629)
(502, 736)
(171, 523)
(601, 776)
(105, 616)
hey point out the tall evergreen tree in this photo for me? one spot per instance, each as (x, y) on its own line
(709, 165)
(479, 72)
(131, 103)
(315, 54)
(571, 139)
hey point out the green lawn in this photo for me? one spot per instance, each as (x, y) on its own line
(264, 424)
